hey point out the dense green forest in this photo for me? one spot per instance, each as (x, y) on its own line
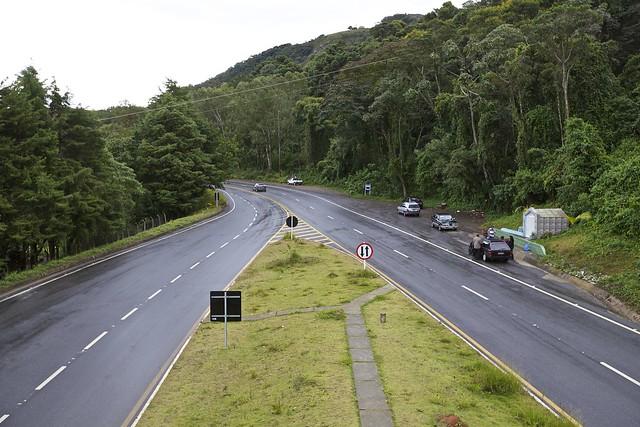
(499, 104)
(65, 188)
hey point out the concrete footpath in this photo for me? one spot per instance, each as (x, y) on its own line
(372, 402)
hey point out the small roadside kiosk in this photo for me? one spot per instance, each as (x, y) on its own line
(538, 222)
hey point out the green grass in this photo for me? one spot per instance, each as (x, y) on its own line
(610, 261)
(428, 373)
(295, 274)
(293, 370)
(512, 221)
(42, 270)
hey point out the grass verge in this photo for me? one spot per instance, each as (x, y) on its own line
(288, 370)
(15, 279)
(609, 261)
(431, 377)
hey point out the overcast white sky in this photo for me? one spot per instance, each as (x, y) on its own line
(105, 52)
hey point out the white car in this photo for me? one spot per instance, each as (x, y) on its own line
(409, 208)
(294, 180)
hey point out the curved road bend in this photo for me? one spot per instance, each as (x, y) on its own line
(559, 338)
(83, 350)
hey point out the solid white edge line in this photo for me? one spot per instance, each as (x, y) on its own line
(135, 248)
(155, 293)
(96, 339)
(129, 314)
(477, 293)
(622, 374)
(4, 417)
(51, 377)
(164, 377)
(400, 253)
(211, 254)
(358, 231)
(224, 245)
(176, 278)
(549, 294)
(194, 265)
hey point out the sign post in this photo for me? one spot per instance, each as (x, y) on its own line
(364, 251)
(225, 306)
(292, 221)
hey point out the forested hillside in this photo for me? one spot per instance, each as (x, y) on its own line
(500, 103)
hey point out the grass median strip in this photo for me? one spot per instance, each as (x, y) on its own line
(286, 370)
(432, 378)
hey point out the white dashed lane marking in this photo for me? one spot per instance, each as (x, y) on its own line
(224, 245)
(155, 293)
(4, 417)
(358, 231)
(51, 377)
(211, 254)
(330, 217)
(129, 314)
(476, 293)
(622, 374)
(194, 265)
(96, 339)
(176, 278)
(245, 230)
(401, 254)
(236, 237)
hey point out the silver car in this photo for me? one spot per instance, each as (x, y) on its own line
(409, 208)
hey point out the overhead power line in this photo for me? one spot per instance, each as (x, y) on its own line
(240, 92)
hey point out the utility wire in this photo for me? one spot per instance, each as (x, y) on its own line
(239, 92)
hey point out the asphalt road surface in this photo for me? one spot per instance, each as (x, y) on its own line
(559, 338)
(87, 349)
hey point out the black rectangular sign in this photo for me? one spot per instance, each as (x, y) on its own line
(233, 306)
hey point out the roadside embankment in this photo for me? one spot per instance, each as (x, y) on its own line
(17, 280)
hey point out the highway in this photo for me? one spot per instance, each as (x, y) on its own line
(559, 338)
(87, 349)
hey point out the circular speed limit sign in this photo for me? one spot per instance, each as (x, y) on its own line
(364, 251)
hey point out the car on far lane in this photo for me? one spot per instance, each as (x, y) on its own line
(408, 208)
(294, 180)
(414, 199)
(444, 221)
(259, 187)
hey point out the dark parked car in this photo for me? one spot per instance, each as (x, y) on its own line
(493, 249)
(259, 187)
(444, 221)
(414, 199)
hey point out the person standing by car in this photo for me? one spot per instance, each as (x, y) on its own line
(477, 246)
(510, 242)
(491, 233)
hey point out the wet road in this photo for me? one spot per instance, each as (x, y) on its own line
(87, 349)
(559, 338)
